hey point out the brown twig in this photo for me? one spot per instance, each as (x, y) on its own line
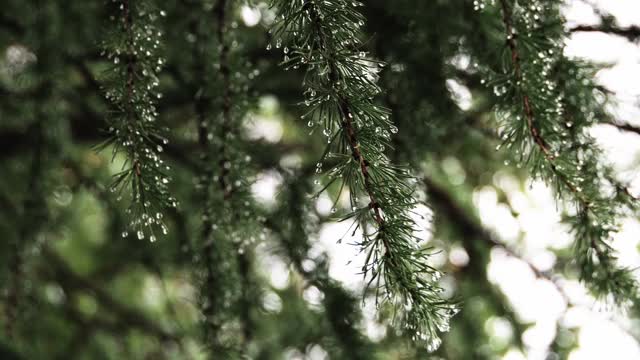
(244, 261)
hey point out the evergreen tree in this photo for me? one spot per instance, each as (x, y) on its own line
(133, 144)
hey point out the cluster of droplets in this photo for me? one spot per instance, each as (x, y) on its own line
(427, 333)
(530, 13)
(131, 86)
(479, 5)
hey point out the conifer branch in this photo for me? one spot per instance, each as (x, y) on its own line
(130, 87)
(225, 71)
(594, 218)
(229, 225)
(527, 106)
(341, 82)
(211, 253)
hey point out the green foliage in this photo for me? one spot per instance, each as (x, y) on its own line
(191, 109)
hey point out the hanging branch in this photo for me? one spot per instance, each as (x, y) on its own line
(341, 85)
(131, 87)
(230, 223)
(217, 283)
(545, 104)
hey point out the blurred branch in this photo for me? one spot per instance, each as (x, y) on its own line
(449, 204)
(129, 316)
(631, 33)
(623, 126)
(461, 218)
(292, 228)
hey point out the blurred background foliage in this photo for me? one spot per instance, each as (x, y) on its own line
(74, 288)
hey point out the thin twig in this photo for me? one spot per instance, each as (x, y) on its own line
(631, 33)
(624, 126)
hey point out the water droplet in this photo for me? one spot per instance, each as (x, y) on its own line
(434, 344)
